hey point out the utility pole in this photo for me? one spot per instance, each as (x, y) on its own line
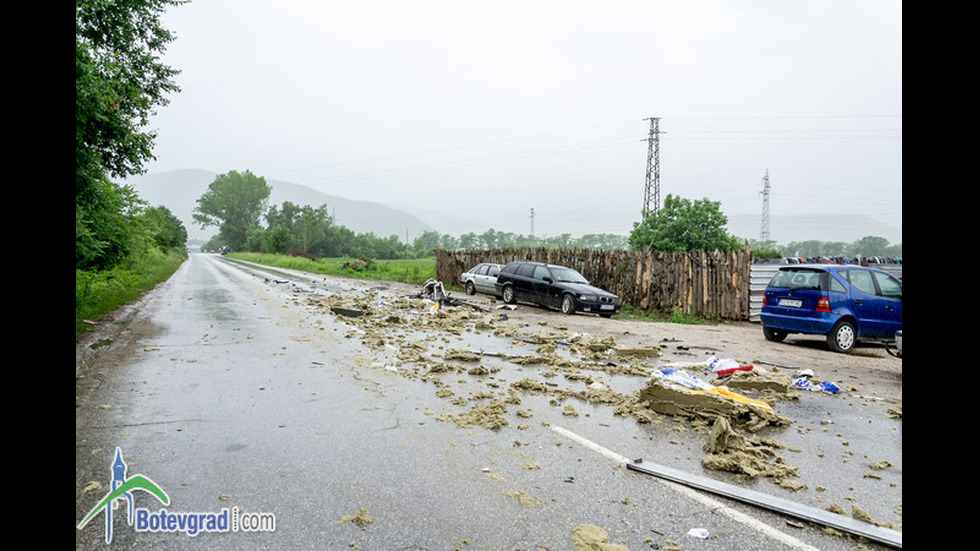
(651, 193)
(764, 232)
(532, 223)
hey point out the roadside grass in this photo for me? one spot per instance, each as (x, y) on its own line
(674, 316)
(418, 271)
(413, 271)
(97, 293)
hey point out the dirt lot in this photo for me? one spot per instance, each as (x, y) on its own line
(869, 370)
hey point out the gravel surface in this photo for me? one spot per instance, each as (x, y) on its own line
(868, 370)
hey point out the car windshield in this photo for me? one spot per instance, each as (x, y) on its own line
(568, 275)
(797, 279)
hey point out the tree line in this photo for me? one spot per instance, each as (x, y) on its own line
(236, 203)
(118, 85)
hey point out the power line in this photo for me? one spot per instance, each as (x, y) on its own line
(651, 191)
(764, 232)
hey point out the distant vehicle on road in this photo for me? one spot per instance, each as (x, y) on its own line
(848, 304)
(554, 286)
(481, 279)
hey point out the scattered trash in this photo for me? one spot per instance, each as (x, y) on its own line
(682, 378)
(433, 290)
(727, 366)
(675, 392)
(804, 383)
(348, 312)
(698, 533)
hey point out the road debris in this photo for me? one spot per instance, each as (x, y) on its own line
(431, 336)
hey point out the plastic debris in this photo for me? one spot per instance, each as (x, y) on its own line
(698, 386)
(682, 378)
(805, 384)
(698, 533)
(727, 366)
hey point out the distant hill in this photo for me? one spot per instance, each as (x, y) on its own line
(179, 190)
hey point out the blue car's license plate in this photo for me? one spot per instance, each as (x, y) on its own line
(790, 302)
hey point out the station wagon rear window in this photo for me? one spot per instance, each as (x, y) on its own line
(800, 278)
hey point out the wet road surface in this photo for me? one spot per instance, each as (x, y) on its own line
(244, 391)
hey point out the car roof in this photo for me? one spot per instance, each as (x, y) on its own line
(829, 267)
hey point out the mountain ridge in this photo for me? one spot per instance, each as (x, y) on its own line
(178, 190)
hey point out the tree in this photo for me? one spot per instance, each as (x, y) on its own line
(165, 229)
(119, 82)
(682, 225)
(426, 244)
(105, 228)
(234, 202)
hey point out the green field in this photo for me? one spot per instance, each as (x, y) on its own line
(415, 271)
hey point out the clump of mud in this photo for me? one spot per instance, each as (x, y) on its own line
(362, 519)
(489, 416)
(588, 537)
(726, 450)
(678, 401)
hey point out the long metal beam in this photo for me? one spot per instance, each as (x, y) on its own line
(885, 536)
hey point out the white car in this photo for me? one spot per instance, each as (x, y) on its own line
(481, 279)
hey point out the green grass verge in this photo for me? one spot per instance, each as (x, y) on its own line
(415, 271)
(675, 316)
(97, 293)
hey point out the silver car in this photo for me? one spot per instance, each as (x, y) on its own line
(481, 279)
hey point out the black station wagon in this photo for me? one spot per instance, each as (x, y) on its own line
(554, 287)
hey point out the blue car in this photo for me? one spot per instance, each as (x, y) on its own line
(848, 304)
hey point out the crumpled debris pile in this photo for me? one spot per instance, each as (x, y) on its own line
(422, 336)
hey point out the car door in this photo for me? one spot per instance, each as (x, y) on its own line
(523, 279)
(878, 316)
(890, 299)
(541, 281)
(487, 277)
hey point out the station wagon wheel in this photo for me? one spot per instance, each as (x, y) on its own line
(842, 337)
(774, 335)
(508, 294)
(568, 304)
(470, 288)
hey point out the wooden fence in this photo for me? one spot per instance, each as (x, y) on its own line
(699, 283)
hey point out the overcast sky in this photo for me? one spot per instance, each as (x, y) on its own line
(490, 109)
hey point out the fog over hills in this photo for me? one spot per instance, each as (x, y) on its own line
(179, 190)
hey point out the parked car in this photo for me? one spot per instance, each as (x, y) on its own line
(554, 287)
(846, 303)
(481, 278)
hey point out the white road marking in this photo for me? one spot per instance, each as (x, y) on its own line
(715, 505)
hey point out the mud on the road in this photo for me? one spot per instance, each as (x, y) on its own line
(530, 355)
(526, 358)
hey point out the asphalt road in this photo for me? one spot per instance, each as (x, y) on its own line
(235, 388)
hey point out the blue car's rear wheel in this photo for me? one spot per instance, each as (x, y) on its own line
(842, 337)
(774, 335)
